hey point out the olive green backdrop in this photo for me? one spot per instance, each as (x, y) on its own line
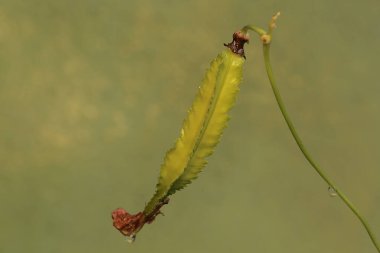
(93, 93)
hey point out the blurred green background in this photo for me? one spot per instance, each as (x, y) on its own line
(93, 93)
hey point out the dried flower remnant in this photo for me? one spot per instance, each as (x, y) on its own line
(129, 224)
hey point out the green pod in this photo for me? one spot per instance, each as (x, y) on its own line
(199, 135)
(202, 127)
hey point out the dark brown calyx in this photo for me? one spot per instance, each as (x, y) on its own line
(237, 44)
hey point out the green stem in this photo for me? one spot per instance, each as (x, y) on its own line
(266, 38)
(257, 30)
(266, 48)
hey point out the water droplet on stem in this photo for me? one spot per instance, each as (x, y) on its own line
(332, 191)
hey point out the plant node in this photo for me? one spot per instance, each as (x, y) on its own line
(266, 38)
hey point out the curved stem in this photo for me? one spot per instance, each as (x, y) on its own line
(266, 49)
(257, 30)
(266, 38)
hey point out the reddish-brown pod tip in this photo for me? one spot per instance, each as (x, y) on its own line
(127, 224)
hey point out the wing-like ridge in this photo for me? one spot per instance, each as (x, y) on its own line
(177, 158)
